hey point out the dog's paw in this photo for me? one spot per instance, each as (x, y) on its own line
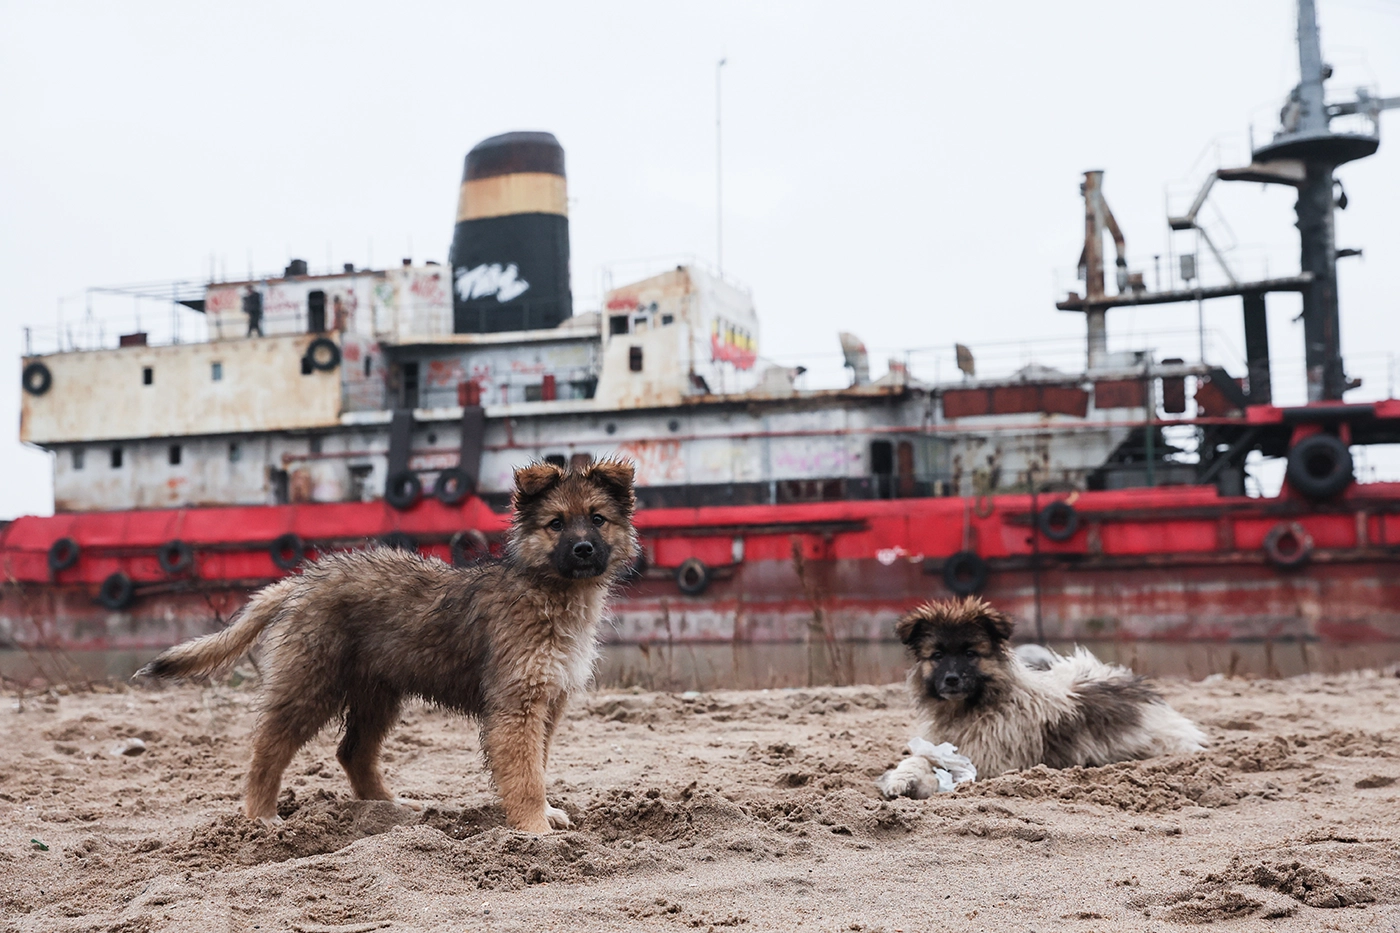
(557, 818)
(414, 805)
(910, 778)
(271, 822)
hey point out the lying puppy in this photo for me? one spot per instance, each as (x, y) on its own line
(1004, 715)
(506, 642)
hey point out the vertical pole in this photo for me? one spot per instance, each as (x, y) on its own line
(1256, 349)
(1095, 318)
(1035, 555)
(719, 175)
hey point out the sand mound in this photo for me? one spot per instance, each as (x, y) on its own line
(749, 810)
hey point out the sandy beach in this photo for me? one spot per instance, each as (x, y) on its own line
(740, 810)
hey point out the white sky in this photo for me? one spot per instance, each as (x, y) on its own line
(909, 172)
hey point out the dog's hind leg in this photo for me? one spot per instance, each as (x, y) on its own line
(367, 721)
(514, 746)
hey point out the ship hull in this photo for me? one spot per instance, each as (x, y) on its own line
(1180, 564)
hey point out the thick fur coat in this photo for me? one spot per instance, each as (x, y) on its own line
(972, 690)
(504, 641)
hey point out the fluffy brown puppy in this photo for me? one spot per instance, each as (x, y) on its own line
(504, 641)
(1004, 715)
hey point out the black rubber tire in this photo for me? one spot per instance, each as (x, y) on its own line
(116, 592)
(965, 573)
(635, 570)
(453, 486)
(1058, 521)
(1288, 545)
(63, 553)
(400, 541)
(1320, 466)
(468, 547)
(288, 551)
(175, 557)
(403, 490)
(36, 379)
(322, 354)
(692, 576)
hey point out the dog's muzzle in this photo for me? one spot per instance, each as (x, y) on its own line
(583, 559)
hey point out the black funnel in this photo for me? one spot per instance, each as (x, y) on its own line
(510, 248)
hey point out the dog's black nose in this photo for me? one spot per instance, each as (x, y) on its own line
(951, 682)
(583, 550)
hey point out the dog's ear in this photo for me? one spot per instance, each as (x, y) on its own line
(996, 624)
(911, 626)
(534, 481)
(616, 478)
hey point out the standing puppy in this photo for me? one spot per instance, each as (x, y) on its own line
(506, 642)
(1004, 715)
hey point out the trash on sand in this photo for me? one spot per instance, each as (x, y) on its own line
(38, 845)
(949, 767)
(129, 747)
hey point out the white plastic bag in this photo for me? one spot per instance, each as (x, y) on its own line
(949, 767)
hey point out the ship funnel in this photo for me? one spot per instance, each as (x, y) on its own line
(510, 248)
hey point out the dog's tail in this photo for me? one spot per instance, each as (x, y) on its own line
(209, 653)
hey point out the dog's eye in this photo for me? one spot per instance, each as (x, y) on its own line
(938, 655)
(598, 519)
(557, 525)
(972, 652)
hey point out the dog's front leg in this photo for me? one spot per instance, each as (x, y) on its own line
(558, 819)
(912, 777)
(514, 745)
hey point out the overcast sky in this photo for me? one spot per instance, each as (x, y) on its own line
(909, 172)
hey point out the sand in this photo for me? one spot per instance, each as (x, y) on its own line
(741, 811)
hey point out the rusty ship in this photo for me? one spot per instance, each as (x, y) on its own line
(323, 410)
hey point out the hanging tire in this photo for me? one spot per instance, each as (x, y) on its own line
(452, 486)
(288, 551)
(635, 570)
(116, 592)
(36, 379)
(1320, 466)
(63, 553)
(175, 557)
(965, 573)
(322, 354)
(400, 541)
(403, 490)
(468, 547)
(1288, 545)
(692, 576)
(1058, 521)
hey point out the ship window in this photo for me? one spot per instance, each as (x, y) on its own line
(634, 359)
(216, 372)
(78, 458)
(314, 443)
(316, 312)
(580, 461)
(235, 452)
(281, 486)
(881, 457)
(116, 458)
(148, 376)
(667, 319)
(409, 386)
(556, 459)
(369, 365)
(617, 324)
(534, 393)
(174, 454)
(306, 369)
(359, 482)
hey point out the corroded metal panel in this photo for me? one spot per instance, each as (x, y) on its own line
(220, 387)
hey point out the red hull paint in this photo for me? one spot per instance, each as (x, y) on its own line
(1171, 564)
